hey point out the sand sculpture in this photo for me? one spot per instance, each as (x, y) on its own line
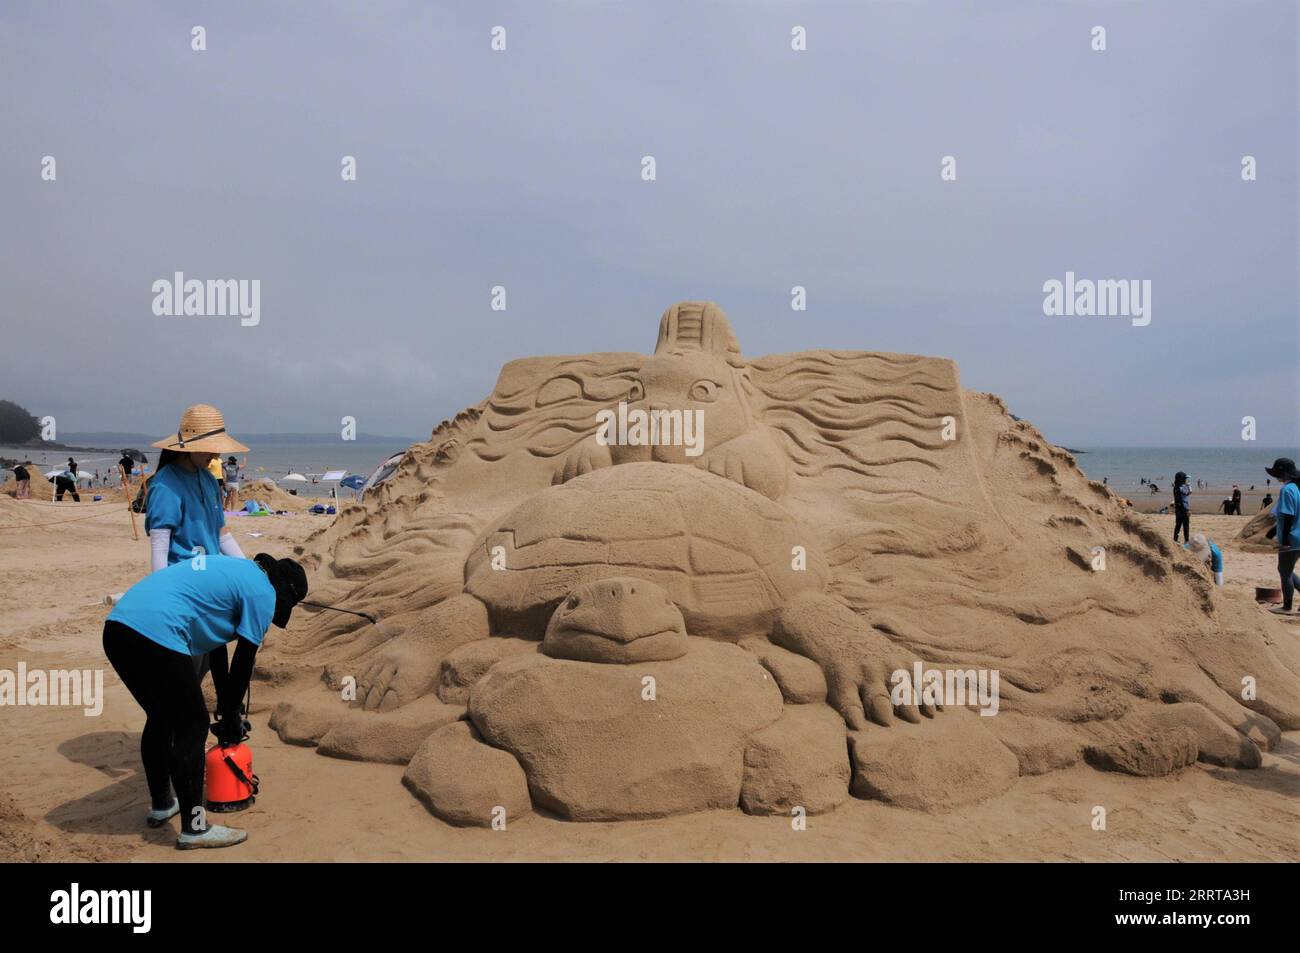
(1254, 535)
(610, 630)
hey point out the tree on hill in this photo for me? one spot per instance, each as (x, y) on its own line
(16, 424)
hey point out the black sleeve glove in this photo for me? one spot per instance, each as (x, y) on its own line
(219, 665)
(241, 671)
(229, 730)
(230, 713)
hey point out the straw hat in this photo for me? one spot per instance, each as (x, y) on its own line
(202, 430)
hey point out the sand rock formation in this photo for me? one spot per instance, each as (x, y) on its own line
(798, 761)
(888, 553)
(462, 668)
(466, 782)
(599, 742)
(1255, 533)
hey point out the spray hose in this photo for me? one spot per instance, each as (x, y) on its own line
(365, 615)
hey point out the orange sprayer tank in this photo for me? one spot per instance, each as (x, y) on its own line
(230, 781)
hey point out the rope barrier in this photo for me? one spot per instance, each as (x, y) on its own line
(75, 503)
(55, 523)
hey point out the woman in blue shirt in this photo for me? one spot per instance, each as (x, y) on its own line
(152, 636)
(184, 514)
(1287, 528)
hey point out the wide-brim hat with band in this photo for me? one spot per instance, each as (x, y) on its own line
(1283, 468)
(202, 430)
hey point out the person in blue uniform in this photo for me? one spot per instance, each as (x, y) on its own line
(1286, 529)
(156, 630)
(183, 510)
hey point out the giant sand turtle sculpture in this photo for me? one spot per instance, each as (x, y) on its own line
(615, 630)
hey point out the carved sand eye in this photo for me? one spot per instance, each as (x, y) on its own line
(704, 390)
(636, 391)
(572, 602)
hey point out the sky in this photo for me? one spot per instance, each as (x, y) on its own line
(523, 169)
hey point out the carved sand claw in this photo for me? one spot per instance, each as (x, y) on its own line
(397, 677)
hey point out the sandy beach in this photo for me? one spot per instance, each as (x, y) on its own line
(73, 788)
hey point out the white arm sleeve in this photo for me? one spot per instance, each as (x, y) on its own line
(231, 548)
(160, 542)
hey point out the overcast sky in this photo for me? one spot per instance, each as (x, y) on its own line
(522, 168)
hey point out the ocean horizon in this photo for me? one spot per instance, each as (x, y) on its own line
(1122, 467)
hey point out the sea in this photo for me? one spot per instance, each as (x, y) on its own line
(1124, 468)
(271, 460)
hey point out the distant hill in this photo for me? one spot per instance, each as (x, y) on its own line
(118, 439)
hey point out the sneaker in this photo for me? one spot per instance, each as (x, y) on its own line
(215, 836)
(156, 818)
(1279, 610)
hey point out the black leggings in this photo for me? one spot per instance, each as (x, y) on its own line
(165, 685)
(1183, 521)
(1286, 561)
(64, 485)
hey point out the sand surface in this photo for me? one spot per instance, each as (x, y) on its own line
(72, 786)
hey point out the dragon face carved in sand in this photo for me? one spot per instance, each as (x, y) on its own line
(849, 515)
(696, 373)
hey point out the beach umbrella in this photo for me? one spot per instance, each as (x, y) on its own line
(354, 482)
(53, 473)
(332, 475)
(385, 470)
(293, 478)
(135, 455)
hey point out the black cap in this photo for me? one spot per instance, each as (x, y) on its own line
(290, 582)
(1283, 468)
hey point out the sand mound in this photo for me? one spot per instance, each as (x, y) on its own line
(14, 513)
(41, 488)
(856, 521)
(267, 492)
(22, 842)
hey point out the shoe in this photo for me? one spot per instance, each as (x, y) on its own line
(156, 818)
(215, 836)
(1278, 610)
